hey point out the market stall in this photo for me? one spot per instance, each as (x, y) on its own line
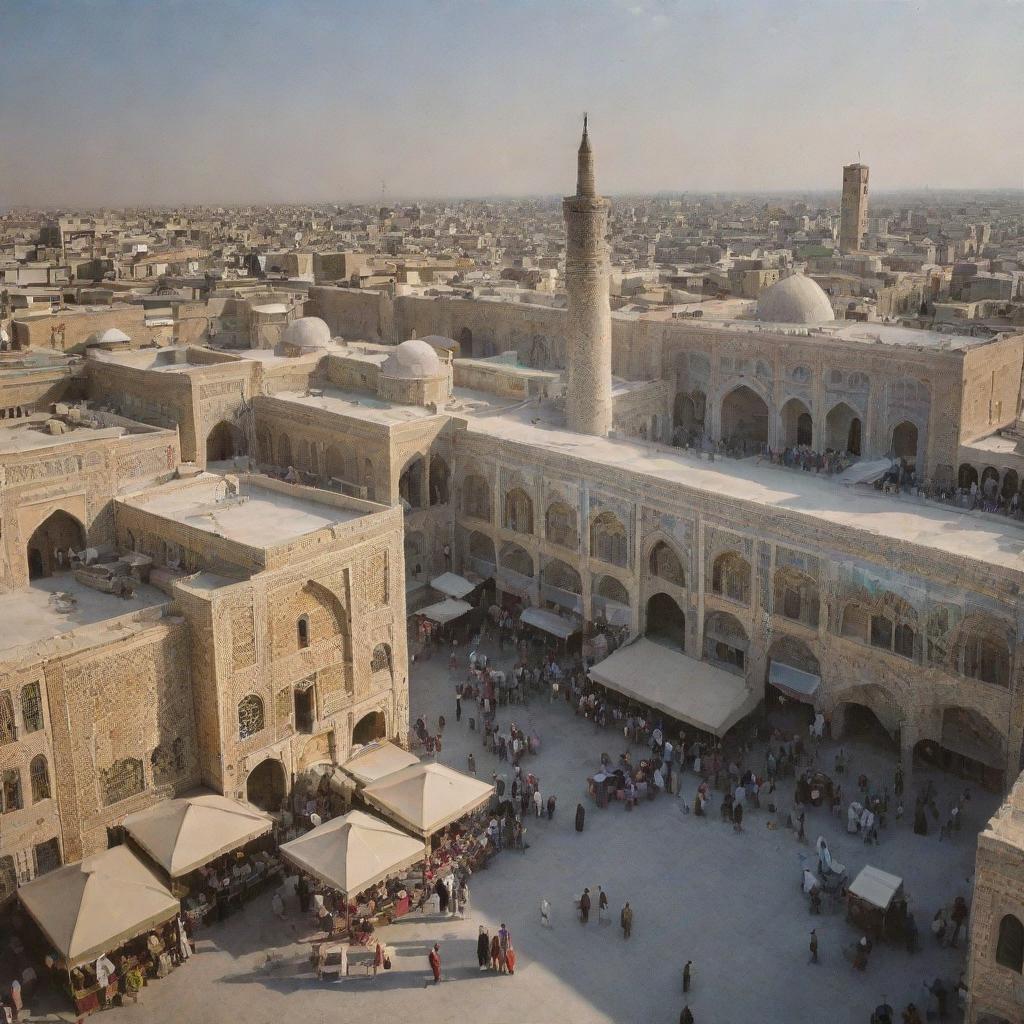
(353, 853)
(107, 919)
(186, 834)
(375, 760)
(446, 611)
(688, 690)
(875, 903)
(452, 585)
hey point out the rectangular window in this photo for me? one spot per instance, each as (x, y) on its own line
(47, 856)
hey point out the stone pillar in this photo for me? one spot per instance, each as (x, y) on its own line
(908, 739)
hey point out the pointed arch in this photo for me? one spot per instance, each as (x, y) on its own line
(517, 559)
(609, 541)
(561, 525)
(665, 564)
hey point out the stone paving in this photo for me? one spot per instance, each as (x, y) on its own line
(730, 902)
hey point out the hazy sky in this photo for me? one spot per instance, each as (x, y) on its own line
(132, 101)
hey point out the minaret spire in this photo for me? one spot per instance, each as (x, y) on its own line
(585, 185)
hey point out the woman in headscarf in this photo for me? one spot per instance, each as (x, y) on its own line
(580, 815)
(483, 948)
(495, 952)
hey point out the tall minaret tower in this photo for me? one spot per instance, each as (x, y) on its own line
(589, 340)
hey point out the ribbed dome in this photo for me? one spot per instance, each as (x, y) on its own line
(412, 359)
(794, 300)
(308, 332)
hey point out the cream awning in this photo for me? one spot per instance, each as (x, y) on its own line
(692, 691)
(549, 622)
(375, 760)
(97, 905)
(453, 585)
(426, 797)
(876, 887)
(353, 852)
(446, 611)
(182, 835)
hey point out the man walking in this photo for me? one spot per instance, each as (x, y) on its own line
(585, 907)
(626, 920)
(602, 905)
(814, 947)
(687, 975)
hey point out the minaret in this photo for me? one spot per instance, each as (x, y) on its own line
(589, 339)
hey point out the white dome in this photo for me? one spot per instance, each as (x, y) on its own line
(413, 358)
(111, 335)
(794, 300)
(308, 332)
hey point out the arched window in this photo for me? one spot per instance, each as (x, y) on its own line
(303, 630)
(39, 778)
(518, 511)
(250, 716)
(730, 577)
(381, 659)
(904, 640)
(121, 780)
(8, 730)
(881, 632)
(10, 791)
(665, 564)
(796, 596)
(608, 541)
(560, 525)
(516, 559)
(986, 658)
(31, 707)
(438, 480)
(855, 622)
(476, 497)
(1010, 944)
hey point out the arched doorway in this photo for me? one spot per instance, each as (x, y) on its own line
(966, 476)
(1011, 484)
(47, 549)
(465, 340)
(267, 785)
(869, 714)
(439, 477)
(666, 622)
(224, 442)
(843, 430)
(904, 442)
(969, 746)
(688, 416)
(369, 728)
(744, 420)
(990, 482)
(793, 691)
(410, 484)
(797, 425)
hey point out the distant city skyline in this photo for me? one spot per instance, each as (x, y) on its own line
(143, 103)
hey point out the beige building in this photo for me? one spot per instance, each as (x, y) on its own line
(853, 210)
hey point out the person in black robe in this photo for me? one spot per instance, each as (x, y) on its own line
(580, 815)
(483, 948)
(442, 894)
(920, 819)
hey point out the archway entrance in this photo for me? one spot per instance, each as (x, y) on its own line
(843, 430)
(465, 340)
(797, 425)
(369, 728)
(861, 721)
(47, 549)
(969, 747)
(666, 622)
(224, 442)
(267, 785)
(966, 476)
(744, 420)
(688, 417)
(792, 693)
(904, 443)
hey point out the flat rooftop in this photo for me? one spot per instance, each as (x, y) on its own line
(864, 333)
(17, 436)
(256, 516)
(357, 404)
(33, 614)
(970, 535)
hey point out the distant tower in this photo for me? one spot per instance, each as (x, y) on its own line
(853, 223)
(589, 340)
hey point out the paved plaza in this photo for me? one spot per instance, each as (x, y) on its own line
(730, 902)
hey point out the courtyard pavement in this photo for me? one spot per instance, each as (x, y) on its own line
(730, 902)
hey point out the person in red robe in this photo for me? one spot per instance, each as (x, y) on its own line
(435, 962)
(510, 959)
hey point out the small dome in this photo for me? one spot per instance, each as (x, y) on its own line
(794, 300)
(413, 358)
(308, 332)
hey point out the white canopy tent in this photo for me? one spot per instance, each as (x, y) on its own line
(793, 682)
(93, 907)
(876, 887)
(453, 585)
(353, 852)
(182, 835)
(692, 691)
(426, 797)
(549, 622)
(446, 611)
(376, 760)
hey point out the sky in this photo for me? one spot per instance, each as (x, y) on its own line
(133, 102)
